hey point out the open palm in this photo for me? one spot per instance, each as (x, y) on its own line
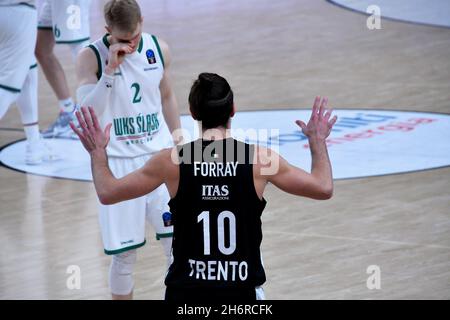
(91, 134)
(319, 125)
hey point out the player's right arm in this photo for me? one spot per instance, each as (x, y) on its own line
(94, 92)
(319, 183)
(109, 189)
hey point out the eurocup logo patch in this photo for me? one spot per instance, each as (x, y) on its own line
(167, 218)
(150, 56)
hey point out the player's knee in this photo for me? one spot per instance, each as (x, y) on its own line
(121, 272)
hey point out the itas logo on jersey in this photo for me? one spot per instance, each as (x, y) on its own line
(215, 192)
(151, 58)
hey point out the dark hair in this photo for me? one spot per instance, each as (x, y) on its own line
(211, 100)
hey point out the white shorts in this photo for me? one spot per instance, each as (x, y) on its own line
(69, 19)
(123, 224)
(17, 43)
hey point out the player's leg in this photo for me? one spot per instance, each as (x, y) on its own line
(121, 280)
(56, 77)
(27, 102)
(123, 230)
(17, 40)
(7, 97)
(52, 69)
(54, 74)
(28, 106)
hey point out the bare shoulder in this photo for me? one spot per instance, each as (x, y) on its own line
(87, 61)
(87, 55)
(163, 44)
(86, 67)
(165, 50)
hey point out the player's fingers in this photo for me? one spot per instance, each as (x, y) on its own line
(328, 114)
(84, 141)
(333, 121)
(75, 129)
(323, 106)
(94, 118)
(301, 124)
(87, 119)
(315, 107)
(81, 121)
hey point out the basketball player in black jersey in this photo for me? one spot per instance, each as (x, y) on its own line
(216, 184)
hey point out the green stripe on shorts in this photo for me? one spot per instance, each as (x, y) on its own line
(11, 89)
(108, 252)
(73, 41)
(159, 236)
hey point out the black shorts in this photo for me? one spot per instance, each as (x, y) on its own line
(210, 294)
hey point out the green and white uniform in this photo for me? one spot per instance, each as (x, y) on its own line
(139, 130)
(17, 43)
(69, 19)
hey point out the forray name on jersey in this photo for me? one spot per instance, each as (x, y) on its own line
(215, 169)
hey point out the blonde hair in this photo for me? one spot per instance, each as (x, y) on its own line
(122, 14)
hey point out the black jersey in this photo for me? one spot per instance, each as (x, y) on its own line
(217, 218)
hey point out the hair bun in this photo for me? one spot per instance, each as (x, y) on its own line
(205, 81)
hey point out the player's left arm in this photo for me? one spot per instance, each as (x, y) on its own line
(109, 189)
(168, 98)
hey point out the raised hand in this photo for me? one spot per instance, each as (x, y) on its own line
(91, 135)
(319, 125)
(116, 56)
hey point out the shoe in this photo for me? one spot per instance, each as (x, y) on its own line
(61, 128)
(37, 152)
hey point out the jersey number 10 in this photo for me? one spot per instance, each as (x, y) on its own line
(227, 250)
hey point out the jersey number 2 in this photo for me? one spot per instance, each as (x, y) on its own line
(137, 97)
(204, 216)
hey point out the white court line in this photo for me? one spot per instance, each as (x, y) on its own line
(434, 246)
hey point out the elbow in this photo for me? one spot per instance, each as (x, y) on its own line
(327, 193)
(105, 199)
(324, 193)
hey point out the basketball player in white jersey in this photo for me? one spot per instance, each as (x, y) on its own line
(124, 77)
(18, 72)
(61, 22)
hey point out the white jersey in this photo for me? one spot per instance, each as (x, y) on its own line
(134, 106)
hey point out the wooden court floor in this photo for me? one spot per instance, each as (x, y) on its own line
(276, 54)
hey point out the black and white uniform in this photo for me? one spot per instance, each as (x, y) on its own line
(216, 215)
